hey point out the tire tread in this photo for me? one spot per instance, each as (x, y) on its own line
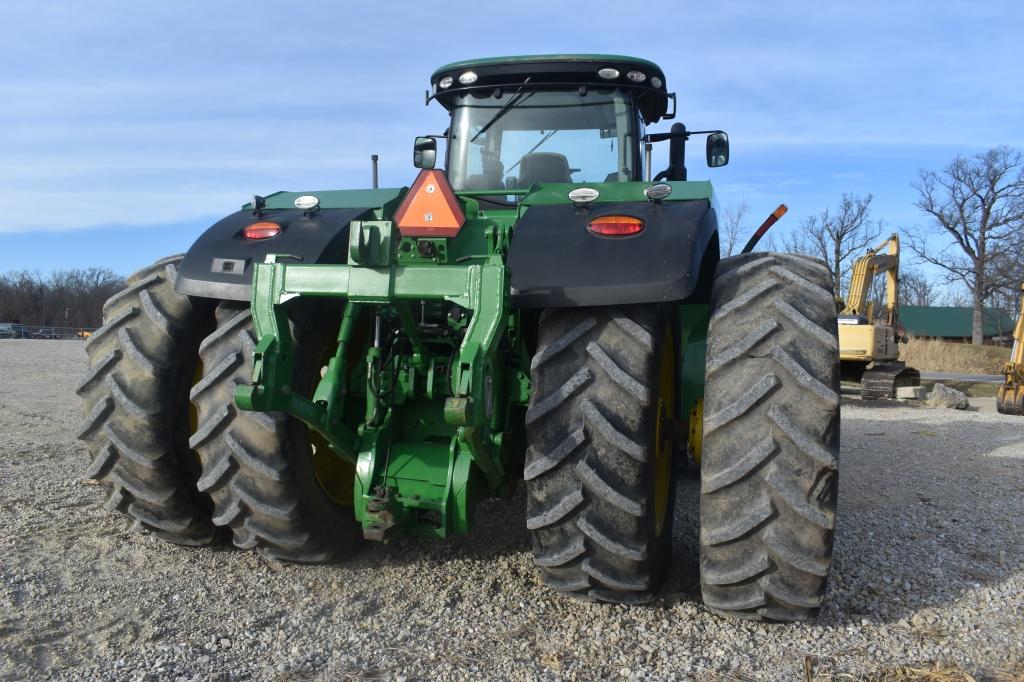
(133, 428)
(771, 438)
(588, 466)
(249, 458)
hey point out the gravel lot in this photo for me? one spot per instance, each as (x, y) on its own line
(929, 567)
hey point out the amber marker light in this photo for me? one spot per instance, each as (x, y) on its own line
(616, 226)
(264, 230)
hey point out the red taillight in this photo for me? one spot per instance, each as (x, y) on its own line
(616, 226)
(261, 231)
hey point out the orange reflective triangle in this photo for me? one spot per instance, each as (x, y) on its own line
(430, 209)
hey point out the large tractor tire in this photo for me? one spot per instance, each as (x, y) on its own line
(598, 476)
(769, 467)
(142, 362)
(258, 467)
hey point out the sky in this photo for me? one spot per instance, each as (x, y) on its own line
(127, 128)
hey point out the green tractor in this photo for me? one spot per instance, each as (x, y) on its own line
(325, 368)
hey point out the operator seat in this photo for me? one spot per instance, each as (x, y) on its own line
(543, 167)
(491, 178)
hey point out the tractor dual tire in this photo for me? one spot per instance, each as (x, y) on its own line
(769, 467)
(142, 362)
(600, 497)
(257, 467)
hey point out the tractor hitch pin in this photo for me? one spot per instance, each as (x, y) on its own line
(765, 226)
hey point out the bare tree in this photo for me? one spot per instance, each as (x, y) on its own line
(1006, 273)
(978, 204)
(837, 236)
(732, 231)
(66, 298)
(956, 297)
(769, 243)
(916, 289)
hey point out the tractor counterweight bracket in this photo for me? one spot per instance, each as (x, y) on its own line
(478, 289)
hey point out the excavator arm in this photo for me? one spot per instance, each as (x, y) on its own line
(1010, 398)
(885, 258)
(1017, 355)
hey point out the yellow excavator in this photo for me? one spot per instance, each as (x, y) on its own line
(869, 347)
(1010, 398)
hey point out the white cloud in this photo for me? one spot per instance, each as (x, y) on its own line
(116, 112)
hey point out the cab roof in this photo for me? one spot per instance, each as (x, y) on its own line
(557, 71)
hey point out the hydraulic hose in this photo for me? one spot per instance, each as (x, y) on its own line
(765, 226)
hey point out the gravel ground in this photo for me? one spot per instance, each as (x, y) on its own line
(929, 567)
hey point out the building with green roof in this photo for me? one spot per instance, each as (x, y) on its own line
(954, 323)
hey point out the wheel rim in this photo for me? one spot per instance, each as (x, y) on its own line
(663, 446)
(335, 476)
(696, 437)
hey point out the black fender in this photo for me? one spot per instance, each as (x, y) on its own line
(556, 262)
(219, 264)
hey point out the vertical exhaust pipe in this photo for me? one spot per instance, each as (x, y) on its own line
(677, 152)
(765, 226)
(373, 165)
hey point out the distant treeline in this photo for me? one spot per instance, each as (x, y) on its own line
(65, 298)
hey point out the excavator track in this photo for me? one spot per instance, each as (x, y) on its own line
(882, 380)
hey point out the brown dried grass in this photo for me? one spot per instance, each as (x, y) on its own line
(925, 672)
(914, 674)
(931, 355)
(941, 674)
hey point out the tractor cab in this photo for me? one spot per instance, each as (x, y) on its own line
(514, 141)
(517, 122)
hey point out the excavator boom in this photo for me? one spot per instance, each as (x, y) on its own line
(865, 269)
(1010, 398)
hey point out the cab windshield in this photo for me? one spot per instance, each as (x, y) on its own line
(517, 140)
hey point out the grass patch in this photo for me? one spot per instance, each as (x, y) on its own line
(930, 355)
(970, 388)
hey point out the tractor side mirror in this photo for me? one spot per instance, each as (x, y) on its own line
(424, 152)
(718, 149)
